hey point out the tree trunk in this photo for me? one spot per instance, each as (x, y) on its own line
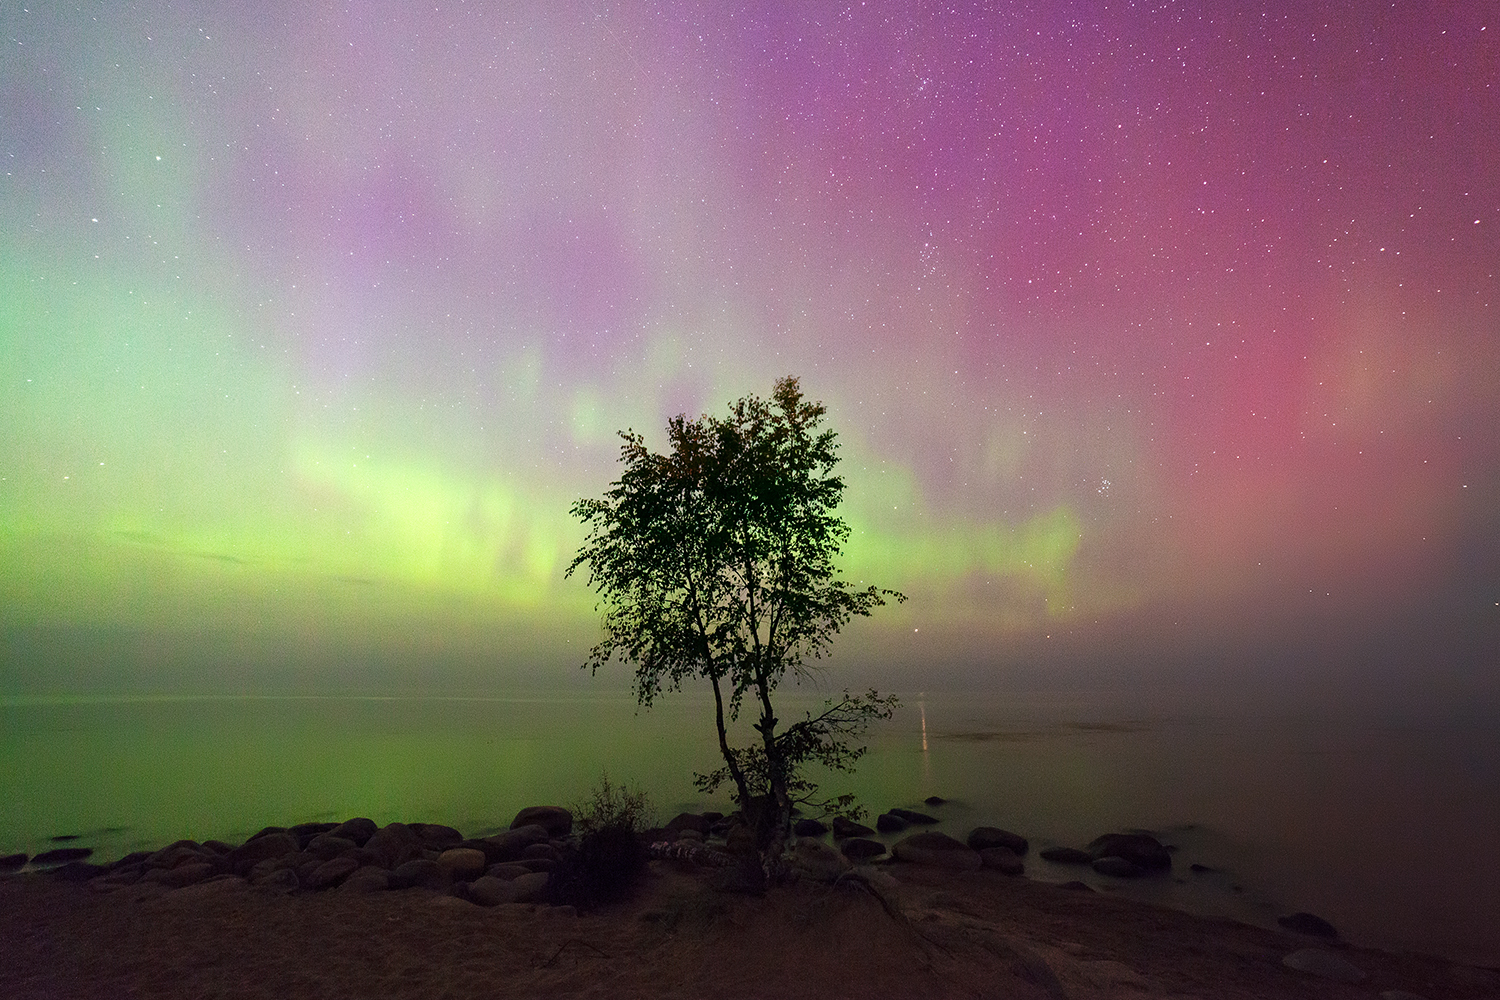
(742, 790)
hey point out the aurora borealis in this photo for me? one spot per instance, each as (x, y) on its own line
(1159, 337)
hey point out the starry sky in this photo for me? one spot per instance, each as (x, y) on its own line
(1162, 339)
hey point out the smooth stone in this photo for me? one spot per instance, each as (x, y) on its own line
(12, 862)
(557, 821)
(937, 849)
(1140, 849)
(437, 836)
(420, 873)
(819, 860)
(913, 817)
(861, 849)
(848, 828)
(510, 845)
(982, 837)
(305, 832)
(62, 855)
(1117, 867)
(1002, 859)
(1067, 855)
(217, 847)
(683, 822)
(359, 829)
(540, 850)
(935, 800)
(330, 873)
(265, 831)
(529, 888)
(367, 878)
(393, 845)
(1307, 923)
(802, 828)
(1324, 964)
(890, 823)
(507, 871)
(463, 862)
(262, 847)
(326, 846)
(182, 875)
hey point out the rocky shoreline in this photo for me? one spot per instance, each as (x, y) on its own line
(928, 882)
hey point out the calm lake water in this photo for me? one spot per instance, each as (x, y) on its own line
(1389, 829)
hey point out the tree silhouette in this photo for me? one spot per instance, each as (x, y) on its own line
(715, 561)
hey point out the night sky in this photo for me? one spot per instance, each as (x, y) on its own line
(1162, 339)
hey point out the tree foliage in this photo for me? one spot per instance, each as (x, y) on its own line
(716, 561)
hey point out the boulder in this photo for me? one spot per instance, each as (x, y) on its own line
(421, 873)
(307, 831)
(217, 847)
(937, 849)
(1307, 923)
(437, 836)
(1002, 859)
(61, 855)
(818, 860)
(689, 821)
(1325, 965)
(491, 891)
(12, 862)
(557, 821)
(1066, 855)
(848, 828)
(367, 878)
(326, 845)
(740, 839)
(265, 831)
(176, 878)
(275, 844)
(181, 853)
(330, 873)
(890, 823)
(392, 846)
(935, 800)
(359, 830)
(463, 862)
(506, 872)
(802, 828)
(861, 849)
(1117, 867)
(510, 845)
(982, 837)
(914, 818)
(1140, 849)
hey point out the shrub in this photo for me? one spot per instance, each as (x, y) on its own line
(609, 859)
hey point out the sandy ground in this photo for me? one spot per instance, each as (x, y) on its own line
(937, 934)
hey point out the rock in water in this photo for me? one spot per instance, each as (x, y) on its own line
(982, 837)
(848, 828)
(12, 862)
(915, 818)
(890, 823)
(557, 821)
(1002, 859)
(935, 800)
(938, 849)
(1140, 849)
(1307, 923)
(806, 828)
(62, 855)
(861, 849)
(1117, 867)
(1324, 964)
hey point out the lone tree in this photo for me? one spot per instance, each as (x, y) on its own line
(715, 561)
